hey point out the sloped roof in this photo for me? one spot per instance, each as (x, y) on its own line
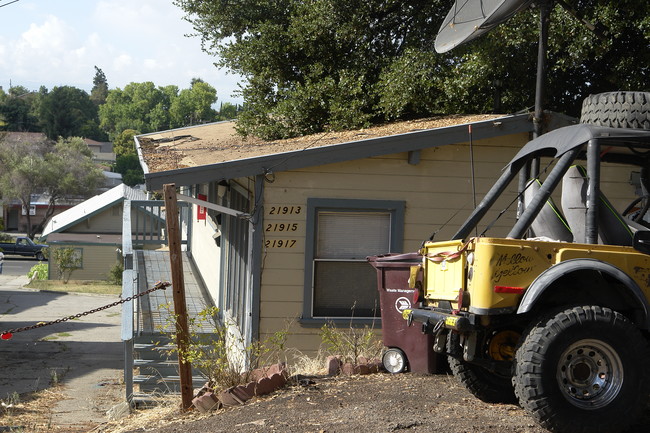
(214, 152)
(90, 207)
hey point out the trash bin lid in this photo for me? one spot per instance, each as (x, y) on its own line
(384, 260)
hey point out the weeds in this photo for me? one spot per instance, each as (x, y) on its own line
(9, 405)
(219, 352)
(351, 343)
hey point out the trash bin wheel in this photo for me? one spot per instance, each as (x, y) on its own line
(394, 360)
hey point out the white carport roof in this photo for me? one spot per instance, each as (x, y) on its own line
(90, 207)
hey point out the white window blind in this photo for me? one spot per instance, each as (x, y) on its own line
(352, 235)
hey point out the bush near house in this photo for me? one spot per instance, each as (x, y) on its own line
(66, 261)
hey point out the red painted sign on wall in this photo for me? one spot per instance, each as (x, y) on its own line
(201, 211)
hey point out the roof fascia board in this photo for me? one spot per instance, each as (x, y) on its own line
(410, 141)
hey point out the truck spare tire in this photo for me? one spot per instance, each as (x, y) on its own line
(617, 110)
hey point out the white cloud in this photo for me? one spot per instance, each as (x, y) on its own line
(123, 62)
(131, 41)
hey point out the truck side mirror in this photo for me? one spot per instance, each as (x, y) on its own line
(642, 241)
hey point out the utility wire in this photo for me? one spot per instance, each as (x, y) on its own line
(7, 4)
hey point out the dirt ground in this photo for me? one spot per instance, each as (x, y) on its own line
(359, 404)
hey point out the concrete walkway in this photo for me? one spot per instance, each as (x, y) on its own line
(85, 354)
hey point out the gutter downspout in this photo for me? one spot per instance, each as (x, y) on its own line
(256, 253)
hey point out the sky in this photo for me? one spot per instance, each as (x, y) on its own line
(59, 43)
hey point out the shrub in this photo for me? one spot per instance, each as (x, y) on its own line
(67, 261)
(38, 272)
(115, 274)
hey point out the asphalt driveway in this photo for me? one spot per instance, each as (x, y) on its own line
(85, 355)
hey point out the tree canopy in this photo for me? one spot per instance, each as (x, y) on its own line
(67, 111)
(331, 64)
(100, 87)
(61, 169)
(17, 110)
(147, 108)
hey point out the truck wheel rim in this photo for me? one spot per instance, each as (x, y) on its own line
(590, 374)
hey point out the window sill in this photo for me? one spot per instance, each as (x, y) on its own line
(317, 322)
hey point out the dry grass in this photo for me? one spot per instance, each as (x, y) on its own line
(167, 409)
(305, 365)
(98, 287)
(31, 412)
(164, 413)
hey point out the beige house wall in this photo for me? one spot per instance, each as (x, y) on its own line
(109, 221)
(433, 191)
(97, 261)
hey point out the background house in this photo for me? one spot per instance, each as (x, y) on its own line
(102, 151)
(94, 229)
(303, 214)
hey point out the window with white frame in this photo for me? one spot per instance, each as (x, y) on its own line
(341, 234)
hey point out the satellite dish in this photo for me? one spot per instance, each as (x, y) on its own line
(469, 19)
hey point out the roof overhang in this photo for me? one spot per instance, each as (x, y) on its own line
(277, 162)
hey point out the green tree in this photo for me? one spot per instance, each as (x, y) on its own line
(124, 144)
(99, 91)
(227, 111)
(21, 166)
(140, 106)
(67, 111)
(17, 110)
(194, 105)
(331, 64)
(60, 170)
(128, 165)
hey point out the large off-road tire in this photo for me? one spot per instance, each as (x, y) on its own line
(487, 386)
(617, 110)
(583, 370)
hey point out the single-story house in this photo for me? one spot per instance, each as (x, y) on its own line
(15, 214)
(94, 229)
(288, 224)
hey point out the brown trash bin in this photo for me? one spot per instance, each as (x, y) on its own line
(407, 347)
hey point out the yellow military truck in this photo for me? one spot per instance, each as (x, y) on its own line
(556, 314)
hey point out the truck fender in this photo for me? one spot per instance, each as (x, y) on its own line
(548, 277)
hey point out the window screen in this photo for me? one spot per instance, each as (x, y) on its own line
(345, 285)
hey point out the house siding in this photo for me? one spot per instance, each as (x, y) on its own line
(206, 254)
(433, 190)
(108, 221)
(97, 260)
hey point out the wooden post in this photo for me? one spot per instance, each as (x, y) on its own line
(178, 284)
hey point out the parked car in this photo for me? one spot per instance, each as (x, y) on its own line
(23, 247)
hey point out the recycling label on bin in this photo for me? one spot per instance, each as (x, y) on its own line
(402, 303)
